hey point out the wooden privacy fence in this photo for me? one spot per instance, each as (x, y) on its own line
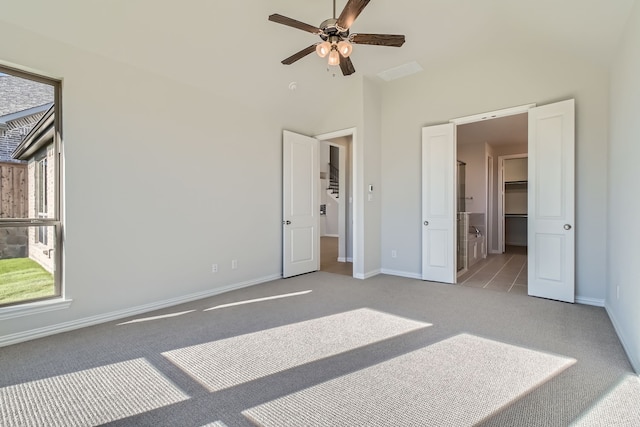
(13, 190)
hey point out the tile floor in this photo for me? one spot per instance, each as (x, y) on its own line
(505, 272)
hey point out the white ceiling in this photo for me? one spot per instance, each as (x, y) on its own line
(231, 46)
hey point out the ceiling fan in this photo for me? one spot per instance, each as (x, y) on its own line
(336, 40)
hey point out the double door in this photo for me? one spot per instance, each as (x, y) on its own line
(550, 202)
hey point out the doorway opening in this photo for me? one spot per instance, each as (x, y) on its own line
(550, 199)
(336, 208)
(492, 203)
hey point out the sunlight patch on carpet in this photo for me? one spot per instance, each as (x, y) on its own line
(149, 319)
(87, 398)
(456, 382)
(226, 363)
(251, 301)
(619, 407)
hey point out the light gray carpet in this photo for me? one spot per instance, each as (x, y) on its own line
(620, 407)
(384, 351)
(455, 382)
(233, 361)
(89, 397)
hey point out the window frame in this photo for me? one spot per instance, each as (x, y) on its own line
(54, 207)
(40, 190)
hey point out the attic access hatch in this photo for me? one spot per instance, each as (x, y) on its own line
(400, 71)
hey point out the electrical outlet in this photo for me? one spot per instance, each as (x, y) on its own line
(394, 253)
(234, 264)
(214, 268)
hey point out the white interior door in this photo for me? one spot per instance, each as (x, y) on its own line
(301, 210)
(439, 203)
(551, 213)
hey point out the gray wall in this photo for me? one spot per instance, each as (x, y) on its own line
(484, 83)
(623, 293)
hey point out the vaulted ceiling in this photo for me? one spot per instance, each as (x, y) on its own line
(231, 46)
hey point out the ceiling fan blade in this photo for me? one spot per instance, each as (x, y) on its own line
(346, 66)
(394, 40)
(351, 10)
(296, 56)
(293, 23)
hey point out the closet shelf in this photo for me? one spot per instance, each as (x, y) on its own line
(515, 215)
(516, 182)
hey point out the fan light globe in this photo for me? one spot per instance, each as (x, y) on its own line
(345, 48)
(322, 49)
(334, 57)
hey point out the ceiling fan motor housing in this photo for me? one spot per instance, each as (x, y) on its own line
(336, 40)
(329, 29)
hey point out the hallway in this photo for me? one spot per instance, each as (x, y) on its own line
(329, 258)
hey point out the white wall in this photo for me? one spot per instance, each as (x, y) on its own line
(156, 182)
(372, 176)
(623, 292)
(488, 82)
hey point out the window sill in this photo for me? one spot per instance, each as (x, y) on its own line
(38, 307)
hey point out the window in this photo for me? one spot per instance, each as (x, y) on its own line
(30, 227)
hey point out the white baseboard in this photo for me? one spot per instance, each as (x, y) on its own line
(367, 275)
(371, 274)
(115, 315)
(402, 274)
(343, 259)
(633, 358)
(590, 301)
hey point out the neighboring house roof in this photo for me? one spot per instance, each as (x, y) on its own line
(22, 103)
(39, 136)
(7, 119)
(17, 94)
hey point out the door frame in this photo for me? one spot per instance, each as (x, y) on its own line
(357, 227)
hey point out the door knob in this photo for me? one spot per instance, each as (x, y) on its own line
(426, 223)
(286, 222)
(567, 227)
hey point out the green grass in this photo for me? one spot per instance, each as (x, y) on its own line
(23, 279)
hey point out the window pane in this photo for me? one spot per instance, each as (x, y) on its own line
(27, 149)
(27, 263)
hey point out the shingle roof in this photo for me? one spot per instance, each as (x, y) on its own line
(22, 103)
(18, 94)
